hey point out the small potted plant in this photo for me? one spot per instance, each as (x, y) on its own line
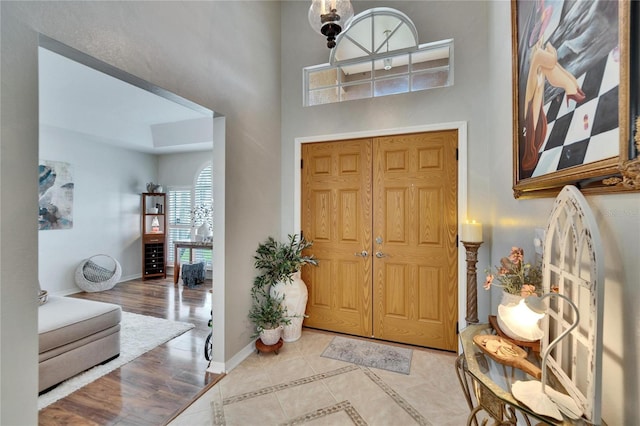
(268, 314)
(518, 280)
(280, 265)
(515, 276)
(201, 222)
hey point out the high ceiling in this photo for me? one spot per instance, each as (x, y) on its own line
(81, 99)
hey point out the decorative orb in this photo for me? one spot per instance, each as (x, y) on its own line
(519, 322)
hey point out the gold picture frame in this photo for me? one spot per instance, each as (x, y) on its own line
(571, 97)
(630, 100)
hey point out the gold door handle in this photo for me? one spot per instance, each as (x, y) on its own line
(363, 254)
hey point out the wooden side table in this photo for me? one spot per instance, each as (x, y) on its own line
(190, 245)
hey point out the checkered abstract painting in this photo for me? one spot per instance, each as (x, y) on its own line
(581, 133)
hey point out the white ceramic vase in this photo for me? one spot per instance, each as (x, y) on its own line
(510, 299)
(271, 336)
(203, 232)
(295, 297)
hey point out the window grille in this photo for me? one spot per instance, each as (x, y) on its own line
(429, 67)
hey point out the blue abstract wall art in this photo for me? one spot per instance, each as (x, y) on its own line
(55, 192)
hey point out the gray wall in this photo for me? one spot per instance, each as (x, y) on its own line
(481, 96)
(456, 103)
(18, 222)
(464, 101)
(223, 55)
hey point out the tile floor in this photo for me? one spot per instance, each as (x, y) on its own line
(298, 386)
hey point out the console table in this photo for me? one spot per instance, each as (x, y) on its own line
(489, 383)
(190, 245)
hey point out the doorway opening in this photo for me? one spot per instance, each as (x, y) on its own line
(459, 129)
(89, 103)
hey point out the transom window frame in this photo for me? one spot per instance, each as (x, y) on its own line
(408, 66)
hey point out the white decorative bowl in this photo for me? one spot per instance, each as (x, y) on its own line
(43, 296)
(514, 325)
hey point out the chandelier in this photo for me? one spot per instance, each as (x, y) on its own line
(330, 17)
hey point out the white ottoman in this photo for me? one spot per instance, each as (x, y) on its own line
(74, 335)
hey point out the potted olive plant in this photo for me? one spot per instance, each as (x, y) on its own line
(280, 265)
(268, 314)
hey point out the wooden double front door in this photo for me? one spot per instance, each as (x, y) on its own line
(382, 215)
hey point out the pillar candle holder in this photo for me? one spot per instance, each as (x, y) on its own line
(472, 281)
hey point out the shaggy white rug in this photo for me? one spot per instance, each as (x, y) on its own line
(138, 334)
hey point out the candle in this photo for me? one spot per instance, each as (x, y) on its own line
(472, 232)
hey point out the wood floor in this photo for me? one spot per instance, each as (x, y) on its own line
(152, 388)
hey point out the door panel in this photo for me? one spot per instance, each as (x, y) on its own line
(415, 216)
(402, 189)
(336, 216)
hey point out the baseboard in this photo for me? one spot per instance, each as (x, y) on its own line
(66, 292)
(225, 367)
(130, 277)
(216, 368)
(74, 290)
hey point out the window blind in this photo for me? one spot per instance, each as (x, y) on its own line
(180, 207)
(203, 193)
(180, 204)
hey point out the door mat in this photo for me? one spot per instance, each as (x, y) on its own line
(370, 354)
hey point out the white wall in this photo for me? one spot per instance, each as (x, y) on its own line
(224, 55)
(108, 182)
(180, 169)
(618, 218)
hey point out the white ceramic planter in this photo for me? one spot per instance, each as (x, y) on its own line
(510, 299)
(295, 300)
(271, 336)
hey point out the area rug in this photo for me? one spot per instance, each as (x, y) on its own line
(370, 354)
(138, 334)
